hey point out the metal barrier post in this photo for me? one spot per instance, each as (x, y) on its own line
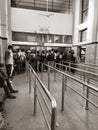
(42, 71)
(84, 81)
(35, 96)
(88, 78)
(65, 82)
(69, 66)
(48, 78)
(29, 80)
(54, 72)
(63, 91)
(53, 118)
(87, 94)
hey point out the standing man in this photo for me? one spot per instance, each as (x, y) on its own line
(9, 62)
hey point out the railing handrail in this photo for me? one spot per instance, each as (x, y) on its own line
(89, 86)
(72, 77)
(78, 80)
(50, 97)
(85, 65)
(43, 86)
(81, 70)
(95, 65)
(64, 83)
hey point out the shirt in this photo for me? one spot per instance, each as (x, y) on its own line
(9, 57)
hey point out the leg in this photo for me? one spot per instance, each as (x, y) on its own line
(9, 84)
(6, 90)
(9, 70)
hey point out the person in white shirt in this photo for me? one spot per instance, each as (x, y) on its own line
(9, 61)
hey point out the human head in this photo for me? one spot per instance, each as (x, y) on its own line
(71, 51)
(10, 47)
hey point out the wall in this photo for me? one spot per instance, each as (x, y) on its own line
(91, 23)
(24, 20)
(92, 30)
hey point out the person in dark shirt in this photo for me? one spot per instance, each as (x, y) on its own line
(72, 60)
(5, 83)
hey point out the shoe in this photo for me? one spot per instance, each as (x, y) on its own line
(11, 97)
(14, 91)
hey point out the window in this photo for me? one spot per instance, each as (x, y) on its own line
(82, 53)
(68, 39)
(84, 10)
(83, 35)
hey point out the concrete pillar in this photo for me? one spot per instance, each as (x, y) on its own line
(92, 50)
(76, 22)
(9, 32)
(91, 54)
(3, 47)
(3, 29)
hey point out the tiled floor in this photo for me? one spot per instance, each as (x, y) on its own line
(19, 111)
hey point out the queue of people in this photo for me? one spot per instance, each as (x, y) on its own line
(17, 62)
(20, 56)
(45, 56)
(50, 56)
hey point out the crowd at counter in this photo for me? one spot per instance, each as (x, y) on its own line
(21, 56)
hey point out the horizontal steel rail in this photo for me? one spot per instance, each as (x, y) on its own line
(95, 65)
(87, 85)
(81, 70)
(53, 110)
(82, 65)
(88, 76)
(85, 73)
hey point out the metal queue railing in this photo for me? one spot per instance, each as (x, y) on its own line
(83, 73)
(64, 84)
(87, 75)
(89, 67)
(90, 64)
(39, 87)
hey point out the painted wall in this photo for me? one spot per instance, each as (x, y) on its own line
(24, 20)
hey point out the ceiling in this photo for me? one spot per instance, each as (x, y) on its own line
(60, 6)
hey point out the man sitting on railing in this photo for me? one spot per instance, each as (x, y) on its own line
(5, 83)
